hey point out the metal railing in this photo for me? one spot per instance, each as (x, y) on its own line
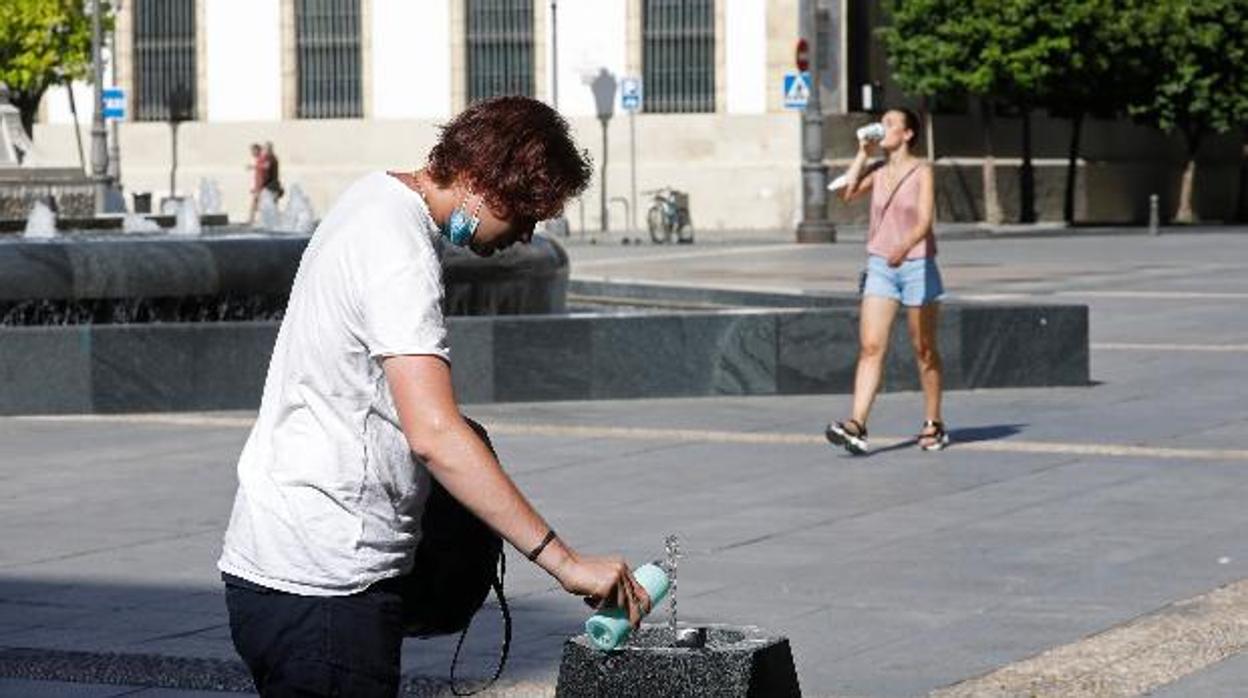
(678, 55)
(164, 56)
(499, 48)
(327, 46)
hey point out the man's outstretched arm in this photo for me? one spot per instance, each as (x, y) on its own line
(464, 465)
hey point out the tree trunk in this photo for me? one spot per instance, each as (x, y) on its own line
(992, 203)
(1241, 210)
(1186, 214)
(1072, 168)
(929, 130)
(28, 104)
(1027, 175)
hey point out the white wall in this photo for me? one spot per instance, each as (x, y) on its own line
(746, 56)
(591, 37)
(244, 60)
(56, 99)
(411, 59)
(56, 104)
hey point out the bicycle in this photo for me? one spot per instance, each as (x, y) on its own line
(668, 214)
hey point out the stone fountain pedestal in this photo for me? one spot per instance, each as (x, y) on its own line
(735, 662)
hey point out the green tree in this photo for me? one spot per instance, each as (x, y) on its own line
(999, 51)
(1026, 41)
(1073, 57)
(932, 47)
(1198, 73)
(1102, 72)
(43, 43)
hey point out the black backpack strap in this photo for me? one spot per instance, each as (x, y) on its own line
(502, 660)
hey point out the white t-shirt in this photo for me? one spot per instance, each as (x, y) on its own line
(330, 496)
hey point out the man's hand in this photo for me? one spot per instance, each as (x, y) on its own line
(898, 256)
(604, 582)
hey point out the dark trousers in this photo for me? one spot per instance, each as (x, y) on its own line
(318, 645)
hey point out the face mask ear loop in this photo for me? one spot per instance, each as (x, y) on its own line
(476, 212)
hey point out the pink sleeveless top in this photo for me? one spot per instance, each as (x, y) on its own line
(890, 227)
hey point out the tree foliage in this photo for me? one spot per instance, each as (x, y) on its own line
(44, 43)
(1200, 69)
(1103, 67)
(1179, 65)
(1003, 50)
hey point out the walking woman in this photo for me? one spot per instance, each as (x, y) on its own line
(901, 271)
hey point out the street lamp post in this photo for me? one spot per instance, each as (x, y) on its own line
(99, 137)
(114, 143)
(603, 87)
(554, 54)
(815, 226)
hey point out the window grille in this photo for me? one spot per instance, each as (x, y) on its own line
(327, 48)
(499, 48)
(164, 59)
(678, 55)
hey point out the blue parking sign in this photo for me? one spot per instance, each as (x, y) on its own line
(630, 93)
(114, 102)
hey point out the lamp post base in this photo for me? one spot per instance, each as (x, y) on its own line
(816, 231)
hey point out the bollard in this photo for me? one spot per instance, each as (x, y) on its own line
(1154, 217)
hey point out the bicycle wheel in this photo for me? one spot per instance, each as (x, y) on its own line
(684, 236)
(656, 224)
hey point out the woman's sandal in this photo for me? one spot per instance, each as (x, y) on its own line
(932, 437)
(840, 434)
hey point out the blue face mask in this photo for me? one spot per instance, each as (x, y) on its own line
(462, 225)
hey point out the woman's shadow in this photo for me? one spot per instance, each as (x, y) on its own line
(965, 435)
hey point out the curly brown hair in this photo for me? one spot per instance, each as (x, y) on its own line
(516, 153)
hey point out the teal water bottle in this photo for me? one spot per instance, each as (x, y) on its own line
(609, 629)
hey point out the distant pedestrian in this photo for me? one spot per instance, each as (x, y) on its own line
(272, 172)
(901, 271)
(358, 414)
(258, 167)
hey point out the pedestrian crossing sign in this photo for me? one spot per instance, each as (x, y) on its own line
(796, 90)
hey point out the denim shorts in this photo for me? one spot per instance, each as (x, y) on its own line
(916, 282)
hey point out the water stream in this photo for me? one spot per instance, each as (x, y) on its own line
(671, 546)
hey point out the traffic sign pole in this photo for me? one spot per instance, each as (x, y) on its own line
(630, 100)
(632, 169)
(814, 226)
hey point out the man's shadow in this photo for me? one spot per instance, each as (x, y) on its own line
(965, 435)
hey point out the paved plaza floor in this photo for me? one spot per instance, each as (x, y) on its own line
(1071, 541)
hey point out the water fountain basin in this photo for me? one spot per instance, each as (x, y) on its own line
(740, 661)
(233, 275)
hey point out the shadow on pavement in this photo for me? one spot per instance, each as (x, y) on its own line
(993, 432)
(965, 435)
(178, 638)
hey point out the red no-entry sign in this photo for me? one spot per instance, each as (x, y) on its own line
(802, 55)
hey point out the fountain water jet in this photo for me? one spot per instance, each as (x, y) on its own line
(187, 219)
(137, 223)
(41, 223)
(298, 216)
(209, 196)
(268, 217)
